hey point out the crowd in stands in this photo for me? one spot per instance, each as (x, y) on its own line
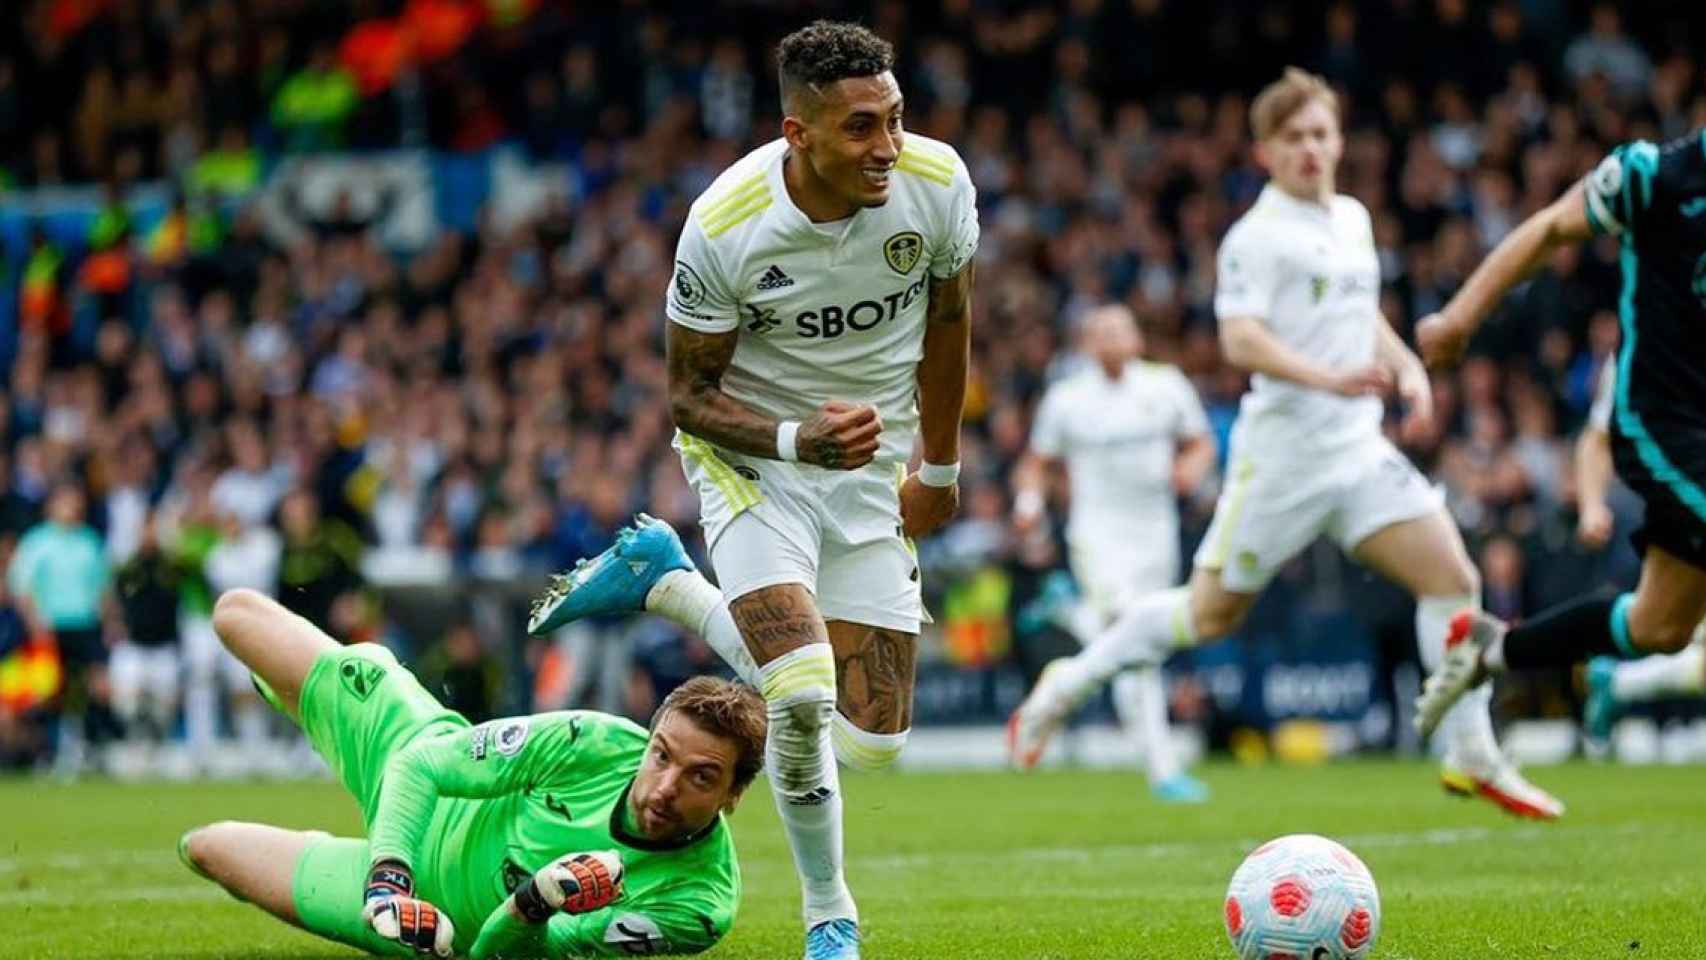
(351, 427)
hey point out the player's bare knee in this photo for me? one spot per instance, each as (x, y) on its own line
(1215, 617)
(206, 848)
(232, 608)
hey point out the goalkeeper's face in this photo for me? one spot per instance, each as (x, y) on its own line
(686, 779)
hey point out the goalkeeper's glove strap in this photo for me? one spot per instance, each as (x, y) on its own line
(390, 878)
(530, 903)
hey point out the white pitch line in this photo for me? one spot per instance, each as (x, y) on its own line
(146, 857)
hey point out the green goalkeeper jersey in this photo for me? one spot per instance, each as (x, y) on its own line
(476, 811)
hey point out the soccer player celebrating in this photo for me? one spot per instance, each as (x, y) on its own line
(561, 834)
(1298, 304)
(820, 320)
(1134, 438)
(1614, 684)
(1651, 198)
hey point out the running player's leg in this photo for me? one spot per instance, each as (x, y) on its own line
(871, 598)
(767, 567)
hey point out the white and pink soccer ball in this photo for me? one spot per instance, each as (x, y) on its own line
(1302, 897)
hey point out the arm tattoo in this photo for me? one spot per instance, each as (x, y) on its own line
(775, 620)
(874, 670)
(950, 299)
(697, 402)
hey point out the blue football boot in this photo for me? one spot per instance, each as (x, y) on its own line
(1601, 709)
(1180, 788)
(833, 940)
(614, 582)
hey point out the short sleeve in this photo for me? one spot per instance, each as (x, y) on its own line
(1048, 431)
(1246, 277)
(1190, 420)
(699, 296)
(1637, 183)
(958, 242)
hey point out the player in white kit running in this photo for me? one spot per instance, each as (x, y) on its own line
(1298, 304)
(1134, 439)
(820, 322)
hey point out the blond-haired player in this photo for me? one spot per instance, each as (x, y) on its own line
(1298, 305)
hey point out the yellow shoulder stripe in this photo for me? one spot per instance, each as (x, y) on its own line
(737, 215)
(936, 174)
(736, 196)
(928, 155)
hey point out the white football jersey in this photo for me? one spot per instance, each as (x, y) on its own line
(825, 311)
(1311, 274)
(1118, 438)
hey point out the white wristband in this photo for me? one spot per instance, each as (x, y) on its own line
(939, 474)
(785, 433)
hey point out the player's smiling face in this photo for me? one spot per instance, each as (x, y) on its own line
(686, 779)
(852, 139)
(1303, 154)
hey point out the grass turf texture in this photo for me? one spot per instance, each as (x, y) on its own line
(987, 866)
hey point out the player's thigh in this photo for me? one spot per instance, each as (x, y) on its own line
(254, 861)
(1388, 516)
(871, 596)
(358, 705)
(1424, 555)
(1269, 511)
(1669, 602)
(275, 644)
(768, 570)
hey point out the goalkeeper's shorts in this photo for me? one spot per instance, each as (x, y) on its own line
(358, 707)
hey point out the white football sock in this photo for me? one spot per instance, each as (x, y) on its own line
(1140, 699)
(1152, 627)
(1466, 730)
(799, 760)
(1658, 677)
(687, 598)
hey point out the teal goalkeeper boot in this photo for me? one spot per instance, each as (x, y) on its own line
(1601, 709)
(833, 940)
(1180, 788)
(614, 582)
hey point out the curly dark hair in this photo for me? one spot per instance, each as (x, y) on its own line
(815, 56)
(729, 710)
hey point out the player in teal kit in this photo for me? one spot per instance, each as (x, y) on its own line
(560, 834)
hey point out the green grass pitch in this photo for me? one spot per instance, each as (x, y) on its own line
(987, 865)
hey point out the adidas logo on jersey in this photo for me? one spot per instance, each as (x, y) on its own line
(774, 279)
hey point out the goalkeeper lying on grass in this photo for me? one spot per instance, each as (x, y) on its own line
(559, 834)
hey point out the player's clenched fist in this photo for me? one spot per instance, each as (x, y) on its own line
(842, 436)
(577, 883)
(393, 912)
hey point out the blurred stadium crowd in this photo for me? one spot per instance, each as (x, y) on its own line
(202, 402)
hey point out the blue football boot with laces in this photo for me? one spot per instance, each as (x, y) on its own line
(614, 582)
(833, 940)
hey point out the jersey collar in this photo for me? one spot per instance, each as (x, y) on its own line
(1273, 195)
(796, 223)
(620, 833)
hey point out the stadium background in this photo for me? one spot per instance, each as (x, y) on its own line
(371, 292)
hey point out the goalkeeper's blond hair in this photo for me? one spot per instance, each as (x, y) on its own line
(1295, 89)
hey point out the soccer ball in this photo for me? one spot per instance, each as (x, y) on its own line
(1302, 897)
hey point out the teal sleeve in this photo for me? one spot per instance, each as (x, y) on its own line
(18, 575)
(1637, 183)
(493, 759)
